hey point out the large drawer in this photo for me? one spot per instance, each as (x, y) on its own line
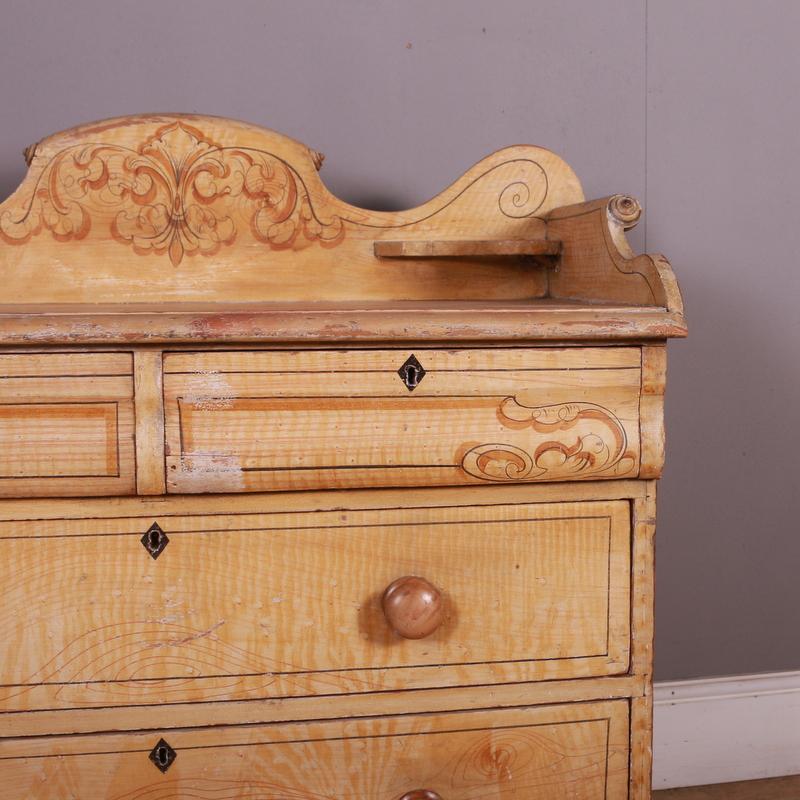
(271, 420)
(66, 424)
(575, 752)
(245, 599)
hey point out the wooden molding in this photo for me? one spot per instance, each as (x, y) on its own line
(544, 321)
(149, 405)
(651, 410)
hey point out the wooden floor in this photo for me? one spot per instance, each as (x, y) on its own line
(771, 789)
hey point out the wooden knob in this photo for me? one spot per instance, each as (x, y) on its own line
(421, 794)
(414, 608)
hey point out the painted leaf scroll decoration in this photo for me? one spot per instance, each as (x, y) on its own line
(574, 440)
(179, 193)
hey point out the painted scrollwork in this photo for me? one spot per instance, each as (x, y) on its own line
(595, 444)
(179, 193)
(524, 196)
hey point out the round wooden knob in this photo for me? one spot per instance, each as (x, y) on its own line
(421, 794)
(414, 608)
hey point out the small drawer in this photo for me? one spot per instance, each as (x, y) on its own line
(557, 752)
(273, 420)
(66, 424)
(131, 605)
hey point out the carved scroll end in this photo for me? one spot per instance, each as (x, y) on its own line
(624, 210)
(622, 214)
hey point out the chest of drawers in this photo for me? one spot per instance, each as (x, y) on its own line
(301, 500)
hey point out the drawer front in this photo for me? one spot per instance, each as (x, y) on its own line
(267, 420)
(570, 752)
(66, 424)
(276, 604)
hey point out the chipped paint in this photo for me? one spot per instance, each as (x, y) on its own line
(192, 476)
(209, 390)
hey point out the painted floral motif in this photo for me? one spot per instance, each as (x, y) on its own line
(179, 193)
(596, 444)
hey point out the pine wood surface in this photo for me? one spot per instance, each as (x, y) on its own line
(255, 420)
(261, 420)
(642, 632)
(393, 322)
(575, 752)
(317, 707)
(153, 197)
(651, 410)
(282, 604)
(431, 248)
(279, 502)
(66, 424)
(190, 317)
(220, 212)
(149, 400)
(593, 233)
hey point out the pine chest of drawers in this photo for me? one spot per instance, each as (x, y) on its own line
(301, 500)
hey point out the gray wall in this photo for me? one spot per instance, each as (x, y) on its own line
(690, 105)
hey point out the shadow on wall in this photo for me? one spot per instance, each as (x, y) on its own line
(731, 436)
(371, 200)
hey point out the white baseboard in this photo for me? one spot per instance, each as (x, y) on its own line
(717, 730)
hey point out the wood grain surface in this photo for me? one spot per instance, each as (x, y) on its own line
(149, 402)
(309, 325)
(248, 605)
(166, 200)
(66, 424)
(642, 634)
(264, 420)
(222, 213)
(189, 315)
(592, 234)
(571, 752)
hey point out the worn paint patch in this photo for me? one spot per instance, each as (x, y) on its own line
(209, 390)
(204, 472)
